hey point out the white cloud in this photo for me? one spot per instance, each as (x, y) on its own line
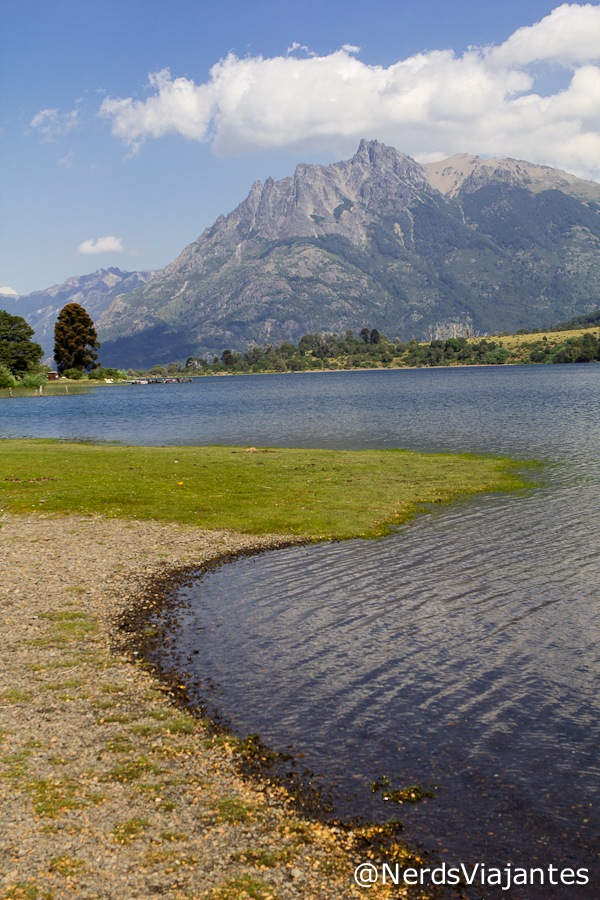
(430, 105)
(66, 161)
(51, 122)
(569, 35)
(8, 291)
(109, 244)
(296, 46)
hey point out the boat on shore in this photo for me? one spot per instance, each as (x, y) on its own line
(174, 380)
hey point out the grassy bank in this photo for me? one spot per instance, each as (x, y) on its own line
(317, 493)
(51, 389)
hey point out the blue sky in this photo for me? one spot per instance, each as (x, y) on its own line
(103, 165)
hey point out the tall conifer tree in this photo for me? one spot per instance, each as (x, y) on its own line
(75, 339)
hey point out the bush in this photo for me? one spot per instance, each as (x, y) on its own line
(7, 379)
(32, 380)
(101, 373)
(75, 374)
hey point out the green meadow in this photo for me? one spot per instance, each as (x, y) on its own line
(319, 494)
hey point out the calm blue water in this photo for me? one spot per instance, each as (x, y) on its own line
(462, 651)
(496, 410)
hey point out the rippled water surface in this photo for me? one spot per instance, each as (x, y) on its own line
(463, 651)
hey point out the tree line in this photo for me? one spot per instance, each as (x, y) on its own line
(76, 344)
(375, 350)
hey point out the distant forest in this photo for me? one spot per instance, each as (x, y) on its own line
(373, 350)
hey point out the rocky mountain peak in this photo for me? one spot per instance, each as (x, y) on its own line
(95, 292)
(319, 200)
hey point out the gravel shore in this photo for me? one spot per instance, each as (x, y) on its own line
(107, 789)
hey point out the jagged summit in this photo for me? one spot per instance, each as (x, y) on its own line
(308, 203)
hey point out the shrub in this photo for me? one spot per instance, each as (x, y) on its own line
(101, 373)
(75, 374)
(7, 379)
(32, 380)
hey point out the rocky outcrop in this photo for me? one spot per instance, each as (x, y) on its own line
(463, 174)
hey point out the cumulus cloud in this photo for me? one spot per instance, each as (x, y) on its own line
(430, 105)
(569, 35)
(8, 291)
(296, 46)
(109, 244)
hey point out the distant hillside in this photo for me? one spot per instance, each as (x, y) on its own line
(578, 322)
(95, 292)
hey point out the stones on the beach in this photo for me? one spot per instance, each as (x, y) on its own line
(100, 798)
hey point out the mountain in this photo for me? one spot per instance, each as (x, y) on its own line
(380, 241)
(94, 292)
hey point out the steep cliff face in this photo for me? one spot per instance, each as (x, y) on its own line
(94, 292)
(376, 240)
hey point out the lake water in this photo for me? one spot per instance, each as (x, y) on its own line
(463, 651)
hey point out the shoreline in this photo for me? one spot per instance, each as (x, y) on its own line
(86, 387)
(110, 789)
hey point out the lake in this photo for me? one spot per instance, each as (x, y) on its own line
(463, 651)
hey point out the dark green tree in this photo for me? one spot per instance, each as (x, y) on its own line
(17, 351)
(75, 340)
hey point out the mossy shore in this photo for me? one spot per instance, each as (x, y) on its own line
(317, 494)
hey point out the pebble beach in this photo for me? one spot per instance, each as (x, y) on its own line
(108, 789)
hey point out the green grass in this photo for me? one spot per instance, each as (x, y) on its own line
(24, 891)
(66, 865)
(313, 493)
(263, 858)
(129, 831)
(244, 888)
(52, 798)
(52, 389)
(232, 809)
(131, 770)
(13, 695)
